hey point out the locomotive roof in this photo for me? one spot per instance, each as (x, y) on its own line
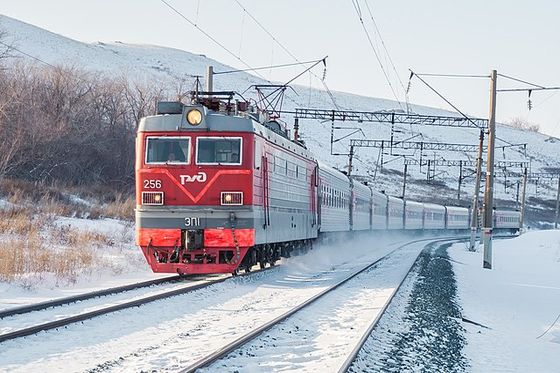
(219, 122)
(211, 121)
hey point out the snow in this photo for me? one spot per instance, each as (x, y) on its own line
(174, 332)
(321, 336)
(121, 263)
(518, 300)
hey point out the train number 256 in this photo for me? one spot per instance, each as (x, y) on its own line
(152, 184)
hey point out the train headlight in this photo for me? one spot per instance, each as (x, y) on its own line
(152, 198)
(231, 198)
(194, 117)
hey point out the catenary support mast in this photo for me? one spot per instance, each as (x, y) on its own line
(489, 190)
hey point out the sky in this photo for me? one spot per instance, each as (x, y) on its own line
(517, 38)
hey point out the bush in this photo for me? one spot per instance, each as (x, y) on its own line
(524, 125)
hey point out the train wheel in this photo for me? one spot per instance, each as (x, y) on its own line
(235, 272)
(262, 264)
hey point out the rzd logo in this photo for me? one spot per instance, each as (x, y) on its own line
(200, 177)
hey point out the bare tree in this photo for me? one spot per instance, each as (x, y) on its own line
(524, 124)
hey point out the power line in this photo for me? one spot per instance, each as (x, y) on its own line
(27, 54)
(209, 36)
(359, 13)
(385, 47)
(287, 51)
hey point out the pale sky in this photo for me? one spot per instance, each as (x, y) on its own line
(518, 38)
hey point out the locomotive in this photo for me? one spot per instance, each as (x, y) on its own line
(222, 187)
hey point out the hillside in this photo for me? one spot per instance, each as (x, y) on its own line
(147, 63)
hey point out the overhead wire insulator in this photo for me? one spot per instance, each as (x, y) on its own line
(529, 102)
(409, 82)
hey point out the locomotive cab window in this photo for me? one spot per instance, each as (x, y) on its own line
(218, 150)
(167, 150)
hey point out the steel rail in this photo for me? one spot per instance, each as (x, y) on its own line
(102, 311)
(234, 345)
(84, 296)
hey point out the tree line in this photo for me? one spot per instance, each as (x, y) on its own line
(65, 125)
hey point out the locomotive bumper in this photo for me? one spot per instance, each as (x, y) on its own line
(194, 242)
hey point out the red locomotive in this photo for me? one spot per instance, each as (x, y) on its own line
(219, 190)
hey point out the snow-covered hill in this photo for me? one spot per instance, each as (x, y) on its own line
(148, 63)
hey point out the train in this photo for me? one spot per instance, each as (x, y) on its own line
(222, 187)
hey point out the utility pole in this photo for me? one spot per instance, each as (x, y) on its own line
(524, 191)
(489, 189)
(474, 215)
(209, 78)
(404, 184)
(557, 205)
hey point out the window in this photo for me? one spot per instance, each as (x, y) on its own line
(168, 150)
(218, 150)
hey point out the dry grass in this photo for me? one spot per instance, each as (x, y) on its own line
(76, 239)
(59, 201)
(27, 258)
(33, 247)
(121, 208)
(19, 220)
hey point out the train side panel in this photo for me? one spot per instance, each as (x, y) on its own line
(395, 217)
(413, 215)
(284, 192)
(507, 219)
(457, 217)
(379, 210)
(434, 216)
(362, 207)
(334, 198)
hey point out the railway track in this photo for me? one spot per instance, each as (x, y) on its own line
(356, 350)
(85, 315)
(349, 363)
(251, 336)
(85, 296)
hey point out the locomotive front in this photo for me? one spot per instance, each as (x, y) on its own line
(194, 189)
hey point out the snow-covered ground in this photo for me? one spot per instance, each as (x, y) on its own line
(518, 300)
(119, 263)
(172, 333)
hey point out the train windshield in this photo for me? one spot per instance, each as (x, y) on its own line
(218, 150)
(168, 150)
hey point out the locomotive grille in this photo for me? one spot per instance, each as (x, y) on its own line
(152, 198)
(232, 198)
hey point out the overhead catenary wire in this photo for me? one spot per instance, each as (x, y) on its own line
(208, 35)
(285, 49)
(358, 10)
(385, 48)
(27, 54)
